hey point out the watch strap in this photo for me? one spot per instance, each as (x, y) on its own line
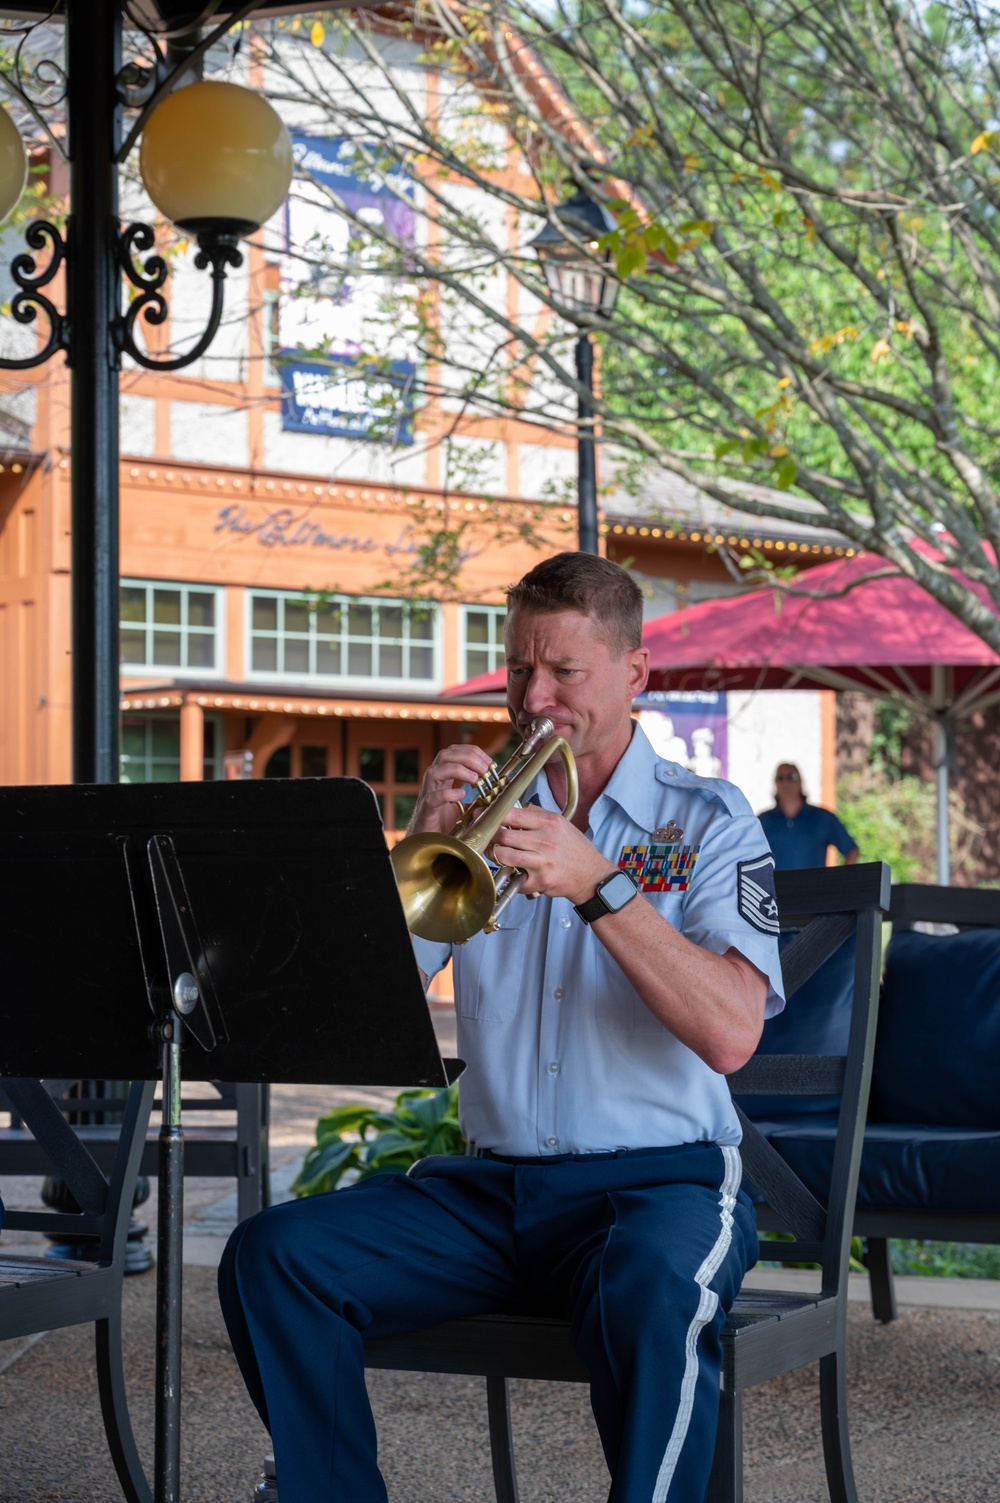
(592, 909)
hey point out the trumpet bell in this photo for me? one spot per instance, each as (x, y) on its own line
(447, 889)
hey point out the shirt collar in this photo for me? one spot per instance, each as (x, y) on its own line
(633, 785)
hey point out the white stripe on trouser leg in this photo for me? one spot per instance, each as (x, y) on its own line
(707, 1306)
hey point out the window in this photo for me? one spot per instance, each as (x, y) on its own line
(168, 626)
(393, 772)
(482, 639)
(271, 332)
(151, 749)
(390, 642)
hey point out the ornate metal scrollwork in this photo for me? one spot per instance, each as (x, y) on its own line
(38, 85)
(26, 302)
(217, 249)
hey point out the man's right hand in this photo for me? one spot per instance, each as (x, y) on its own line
(443, 786)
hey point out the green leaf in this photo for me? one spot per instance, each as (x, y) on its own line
(785, 473)
(632, 257)
(324, 1168)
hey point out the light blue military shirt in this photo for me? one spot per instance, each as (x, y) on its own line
(561, 1054)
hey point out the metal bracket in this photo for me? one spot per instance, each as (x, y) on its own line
(217, 249)
(40, 235)
(192, 990)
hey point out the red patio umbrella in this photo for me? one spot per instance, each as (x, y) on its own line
(883, 636)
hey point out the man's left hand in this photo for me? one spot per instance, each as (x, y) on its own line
(559, 859)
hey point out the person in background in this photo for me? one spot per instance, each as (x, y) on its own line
(799, 832)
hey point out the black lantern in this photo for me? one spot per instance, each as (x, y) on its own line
(573, 263)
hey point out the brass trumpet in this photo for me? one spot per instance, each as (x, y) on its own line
(448, 888)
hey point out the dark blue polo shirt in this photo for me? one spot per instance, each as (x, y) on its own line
(802, 840)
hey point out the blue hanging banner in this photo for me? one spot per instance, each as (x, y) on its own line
(333, 396)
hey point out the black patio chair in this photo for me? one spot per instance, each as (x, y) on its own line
(768, 1332)
(41, 1294)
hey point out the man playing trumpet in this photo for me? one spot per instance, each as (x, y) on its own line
(630, 974)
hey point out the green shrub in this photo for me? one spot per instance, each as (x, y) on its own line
(369, 1141)
(945, 1260)
(894, 820)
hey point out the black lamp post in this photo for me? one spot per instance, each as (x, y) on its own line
(216, 160)
(576, 271)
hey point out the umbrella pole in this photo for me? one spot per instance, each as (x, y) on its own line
(943, 747)
(941, 759)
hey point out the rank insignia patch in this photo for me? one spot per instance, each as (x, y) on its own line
(756, 900)
(660, 867)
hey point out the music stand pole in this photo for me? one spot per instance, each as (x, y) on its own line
(170, 1267)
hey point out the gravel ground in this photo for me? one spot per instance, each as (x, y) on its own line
(924, 1397)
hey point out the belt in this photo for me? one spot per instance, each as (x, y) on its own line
(573, 1158)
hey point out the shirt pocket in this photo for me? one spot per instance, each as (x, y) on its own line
(490, 969)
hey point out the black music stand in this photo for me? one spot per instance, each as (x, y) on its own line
(261, 923)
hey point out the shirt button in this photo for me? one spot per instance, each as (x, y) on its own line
(552, 1142)
(554, 1067)
(671, 772)
(565, 923)
(558, 992)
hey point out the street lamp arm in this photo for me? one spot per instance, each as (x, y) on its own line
(216, 249)
(40, 235)
(165, 82)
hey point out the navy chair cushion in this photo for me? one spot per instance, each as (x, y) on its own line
(937, 1054)
(903, 1166)
(816, 1020)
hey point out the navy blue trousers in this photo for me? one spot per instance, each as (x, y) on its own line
(644, 1252)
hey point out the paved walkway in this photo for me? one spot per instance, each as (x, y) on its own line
(924, 1396)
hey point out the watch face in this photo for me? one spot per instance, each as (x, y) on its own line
(616, 890)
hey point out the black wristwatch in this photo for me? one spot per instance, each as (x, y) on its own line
(612, 894)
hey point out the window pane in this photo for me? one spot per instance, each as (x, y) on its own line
(280, 765)
(265, 613)
(297, 616)
(167, 648)
(313, 759)
(201, 651)
(390, 621)
(327, 657)
(296, 655)
(328, 620)
(477, 626)
(371, 764)
(390, 661)
(133, 646)
(265, 655)
(167, 607)
(475, 663)
(359, 659)
(133, 603)
(403, 807)
(133, 739)
(165, 772)
(201, 608)
(359, 621)
(421, 662)
(422, 624)
(406, 764)
(165, 738)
